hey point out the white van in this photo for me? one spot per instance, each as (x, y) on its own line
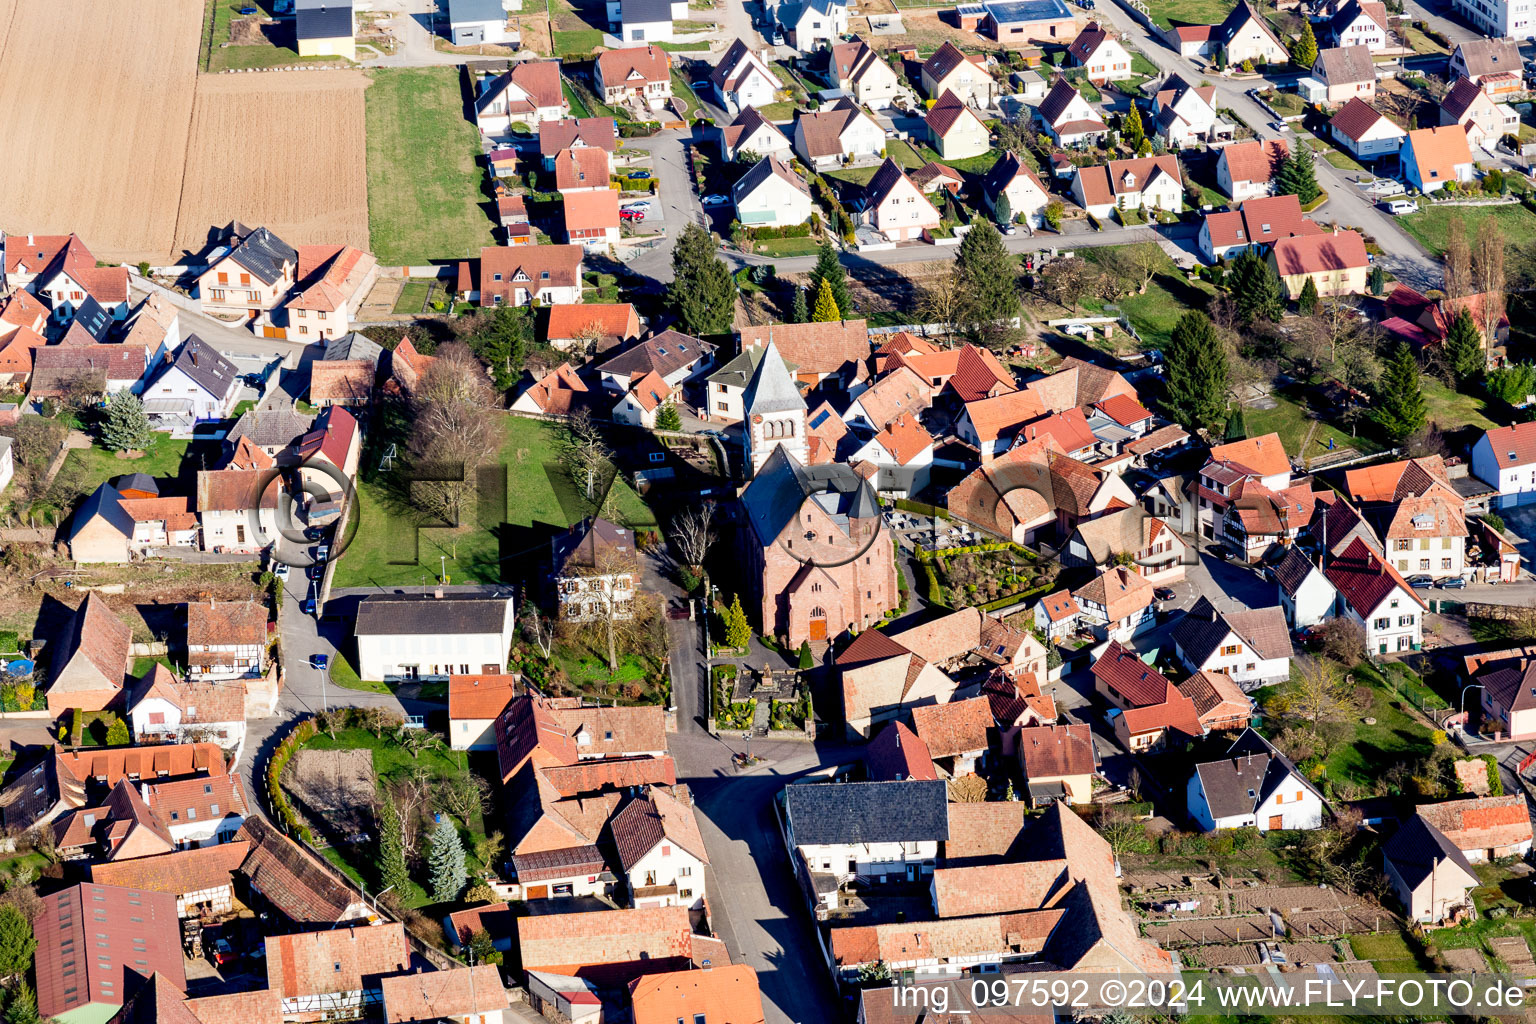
(1399, 207)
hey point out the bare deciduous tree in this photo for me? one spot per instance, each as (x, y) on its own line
(943, 302)
(1488, 273)
(1318, 691)
(585, 453)
(537, 627)
(607, 598)
(454, 432)
(693, 534)
(1458, 260)
(464, 794)
(1064, 281)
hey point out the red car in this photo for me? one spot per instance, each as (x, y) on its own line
(631, 214)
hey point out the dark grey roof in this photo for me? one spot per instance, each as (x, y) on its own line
(1416, 849)
(1203, 629)
(830, 813)
(771, 388)
(136, 482)
(206, 366)
(778, 490)
(104, 503)
(665, 354)
(263, 253)
(738, 371)
(408, 614)
(328, 20)
(1200, 631)
(645, 10)
(1292, 570)
(1471, 487)
(353, 345)
(270, 428)
(96, 321)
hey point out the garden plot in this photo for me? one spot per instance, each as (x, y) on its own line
(982, 573)
(336, 788)
(1513, 950)
(1218, 931)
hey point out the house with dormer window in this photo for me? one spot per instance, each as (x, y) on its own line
(1185, 115)
(513, 276)
(1151, 183)
(641, 76)
(1254, 786)
(252, 277)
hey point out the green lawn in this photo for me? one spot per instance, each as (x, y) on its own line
(1286, 104)
(1289, 419)
(967, 165)
(1189, 12)
(143, 665)
(1429, 226)
(424, 186)
(345, 676)
(413, 296)
(388, 549)
(89, 468)
(577, 43)
(780, 248)
(1452, 409)
(683, 91)
(578, 105)
(854, 175)
(1389, 951)
(684, 47)
(1141, 64)
(1168, 297)
(1395, 737)
(902, 152)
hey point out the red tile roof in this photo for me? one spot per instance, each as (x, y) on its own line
(1254, 161)
(606, 319)
(1263, 455)
(1356, 118)
(1364, 580)
(335, 960)
(1138, 683)
(722, 995)
(481, 697)
(1053, 751)
(1315, 254)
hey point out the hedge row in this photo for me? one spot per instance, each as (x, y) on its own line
(908, 505)
(301, 733)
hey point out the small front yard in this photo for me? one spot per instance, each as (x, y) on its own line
(1286, 104)
(413, 298)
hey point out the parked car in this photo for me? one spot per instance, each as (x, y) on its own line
(1277, 126)
(280, 572)
(322, 552)
(1086, 5)
(319, 661)
(631, 213)
(1421, 582)
(715, 200)
(309, 606)
(638, 175)
(222, 952)
(702, 83)
(1308, 636)
(1400, 207)
(1453, 583)
(315, 572)
(314, 532)
(638, 204)
(1165, 593)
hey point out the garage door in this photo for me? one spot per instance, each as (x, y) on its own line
(1514, 500)
(268, 331)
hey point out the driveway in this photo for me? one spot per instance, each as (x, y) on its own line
(674, 202)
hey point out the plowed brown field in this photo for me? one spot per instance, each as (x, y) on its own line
(284, 149)
(97, 96)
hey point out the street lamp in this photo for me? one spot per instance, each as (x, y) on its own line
(1464, 689)
(442, 561)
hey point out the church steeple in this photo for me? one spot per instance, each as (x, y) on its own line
(775, 411)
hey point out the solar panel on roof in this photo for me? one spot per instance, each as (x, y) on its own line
(1011, 11)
